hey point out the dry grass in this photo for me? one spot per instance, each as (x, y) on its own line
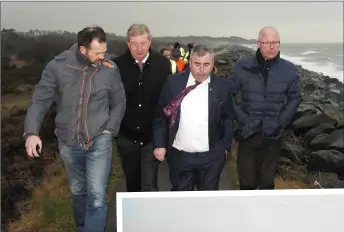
(288, 178)
(296, 146)
(21, 101)
(49, 209)
(12, 103)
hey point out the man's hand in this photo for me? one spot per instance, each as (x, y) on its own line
(31, 145)
(160, 153)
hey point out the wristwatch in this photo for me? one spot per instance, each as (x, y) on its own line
(25, 135)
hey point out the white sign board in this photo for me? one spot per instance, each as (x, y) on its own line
(222, 211)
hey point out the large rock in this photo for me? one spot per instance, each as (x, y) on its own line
(333, 110)
(326, 161)
(335, 140)
(231, 56)
(336, 95)
(312, 120)
(307, 107)
(322, 128)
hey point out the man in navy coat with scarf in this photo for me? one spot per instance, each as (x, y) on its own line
(193, 127)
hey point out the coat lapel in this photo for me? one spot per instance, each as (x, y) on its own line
(181, 84)
(177, 89)
(211, 95)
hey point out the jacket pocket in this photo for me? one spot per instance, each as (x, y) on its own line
(272, 127)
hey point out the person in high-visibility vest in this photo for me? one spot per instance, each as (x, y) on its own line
(187, 54)
(179, 61)
(182, 51)
(174, 67)
(167, 53)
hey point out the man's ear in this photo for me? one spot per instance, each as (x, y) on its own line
(83, 50)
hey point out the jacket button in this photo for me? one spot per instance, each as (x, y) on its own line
(139, 105)
(141, 143)
(138, 127)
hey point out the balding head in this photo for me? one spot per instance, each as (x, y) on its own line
(268, 42)
(267, 32)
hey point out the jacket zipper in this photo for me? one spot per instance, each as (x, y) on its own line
(265, 86)
(80, 101)
(88, 98)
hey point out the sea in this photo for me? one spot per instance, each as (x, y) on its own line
(325, 58)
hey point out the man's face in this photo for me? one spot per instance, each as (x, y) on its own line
(139, 46)
(167, 54)
(269, 44)
(96, 52)
(201, 66)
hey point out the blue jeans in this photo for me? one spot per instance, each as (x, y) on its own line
(87, 174)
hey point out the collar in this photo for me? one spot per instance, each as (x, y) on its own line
(192, 80)
(81, 58)
(75, 59)
(144, 60)
(261, 60)
(134, 61)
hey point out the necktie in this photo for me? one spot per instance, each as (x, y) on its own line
(171, 109)
(140, 64)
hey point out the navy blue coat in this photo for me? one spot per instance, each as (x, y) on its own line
(268, 102)
(221, 115)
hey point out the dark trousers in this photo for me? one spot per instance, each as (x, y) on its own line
(139, 165)
(257, 162)
(189, 170)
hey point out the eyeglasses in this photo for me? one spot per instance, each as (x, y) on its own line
(268, 44)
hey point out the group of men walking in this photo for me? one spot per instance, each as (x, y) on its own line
(185, 118)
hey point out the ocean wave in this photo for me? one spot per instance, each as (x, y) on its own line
(310, 52)
(326, 68)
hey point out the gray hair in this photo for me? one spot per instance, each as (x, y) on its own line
(202, 50)
(137, 30)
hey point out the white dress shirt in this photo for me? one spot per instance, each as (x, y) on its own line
(192, 134)
(144, 60)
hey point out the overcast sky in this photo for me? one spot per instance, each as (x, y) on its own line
(296, 21)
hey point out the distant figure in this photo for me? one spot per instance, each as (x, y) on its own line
(188, 52)
(180, 48)
(193, 126)
(175, 55)
(171, 46)
(91, 104)
(270, 95)
(167, 53)
(187, 55)
(143, 73)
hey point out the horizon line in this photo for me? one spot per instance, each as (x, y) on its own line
(182, 36)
